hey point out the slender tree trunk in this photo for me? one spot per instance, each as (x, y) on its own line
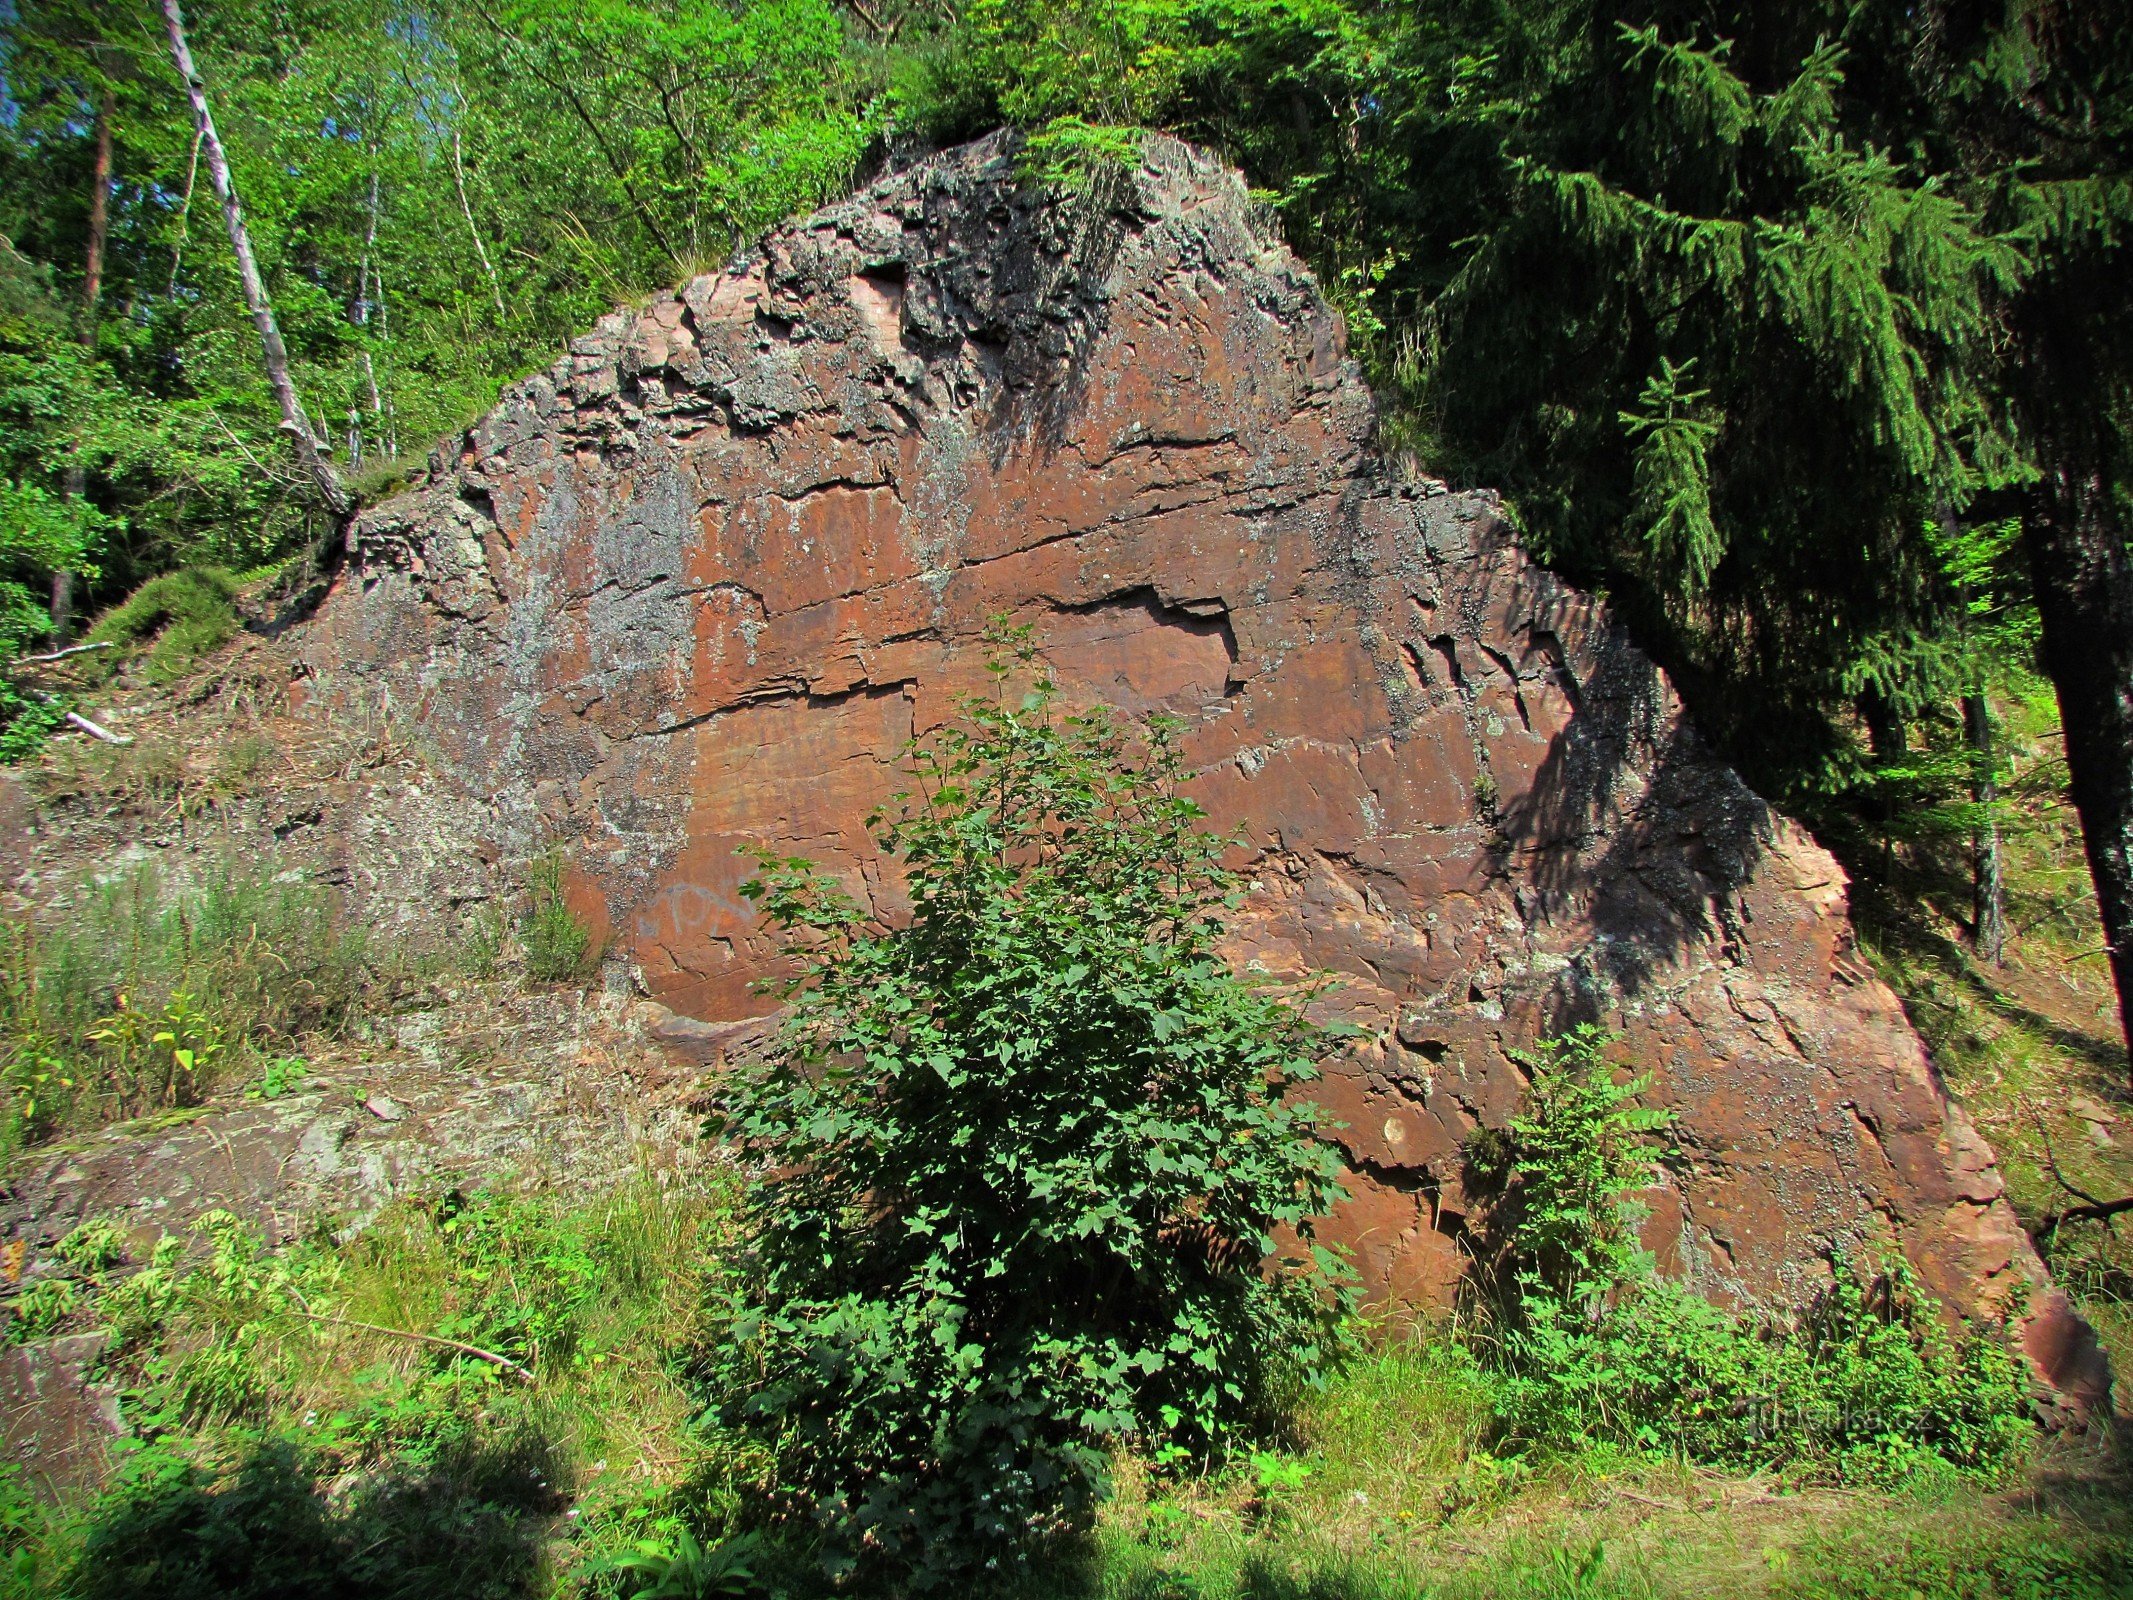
(92, 287)
(185, 215)
(1887, 739)
(365, 306)
(76, 479)
(459, 176)
(1988, 912)
(2083, 577)
(275, 354)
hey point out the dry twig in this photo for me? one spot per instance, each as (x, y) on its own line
(462, 1347)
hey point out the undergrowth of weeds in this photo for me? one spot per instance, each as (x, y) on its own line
(345, 1419)
(141, 993)
(475, 1397)
(2030, 1046)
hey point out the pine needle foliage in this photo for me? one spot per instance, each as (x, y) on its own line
(1035, 1181)
(1675, 276)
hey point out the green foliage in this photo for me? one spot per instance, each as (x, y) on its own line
(436, 203)
(1867, 1383)
(1709, 290)
(276, 1454)
(1965, 1563)
(1071, 154)
(1868, 1386)
(277, 1449)
(1566, 1170)
(1024, 1158)
(273, 1525)
(559, 947)
(186, 614)
(680, 1568)
(281, 1075)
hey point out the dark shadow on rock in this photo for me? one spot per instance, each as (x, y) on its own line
(468, 1525)
(1666, 878)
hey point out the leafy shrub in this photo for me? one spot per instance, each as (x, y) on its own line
(1078, 156)
(26, 721)
(1564, 1174)
(187, 614)
(679, 1567)
(158, 1058)
(1022, 1160)
(559, 947)
(1867, 1382)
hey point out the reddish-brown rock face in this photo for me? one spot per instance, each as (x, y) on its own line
(697, 586)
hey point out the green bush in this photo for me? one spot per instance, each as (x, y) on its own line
(1868, 1382)
(559, 947)
(1564, 1175)
(1023, 1160)
(187, 614)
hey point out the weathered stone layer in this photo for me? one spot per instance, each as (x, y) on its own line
(698, 585)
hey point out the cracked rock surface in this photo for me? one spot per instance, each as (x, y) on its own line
(695, 587)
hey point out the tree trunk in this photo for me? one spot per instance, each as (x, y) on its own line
(459, 176)
(92, 289)
(92, 286)
(276, 355)
(2083, 579)
(185, 214)
(1988, 913)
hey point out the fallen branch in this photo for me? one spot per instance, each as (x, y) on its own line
(2093, 1211)
(61, 655)
(463, 1348)
(96, 730)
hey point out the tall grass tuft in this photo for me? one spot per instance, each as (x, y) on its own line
(140, 992)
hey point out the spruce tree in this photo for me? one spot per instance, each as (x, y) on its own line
(2034, 104)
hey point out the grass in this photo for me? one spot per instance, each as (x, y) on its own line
(558, 946)
(285, 1444)
(139, 992)
(293, 1435)
(180, 616)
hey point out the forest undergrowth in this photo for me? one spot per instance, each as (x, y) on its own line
(315, 1422)
(2030, 1044)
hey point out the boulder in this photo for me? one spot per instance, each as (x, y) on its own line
(695, 588)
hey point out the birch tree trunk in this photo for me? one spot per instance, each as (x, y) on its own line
(459, 175)
(185, 215)
(274, 353)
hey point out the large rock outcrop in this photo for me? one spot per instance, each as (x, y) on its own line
(695, 587)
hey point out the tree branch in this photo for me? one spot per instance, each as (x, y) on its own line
(61, 655)
(461, 1346)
